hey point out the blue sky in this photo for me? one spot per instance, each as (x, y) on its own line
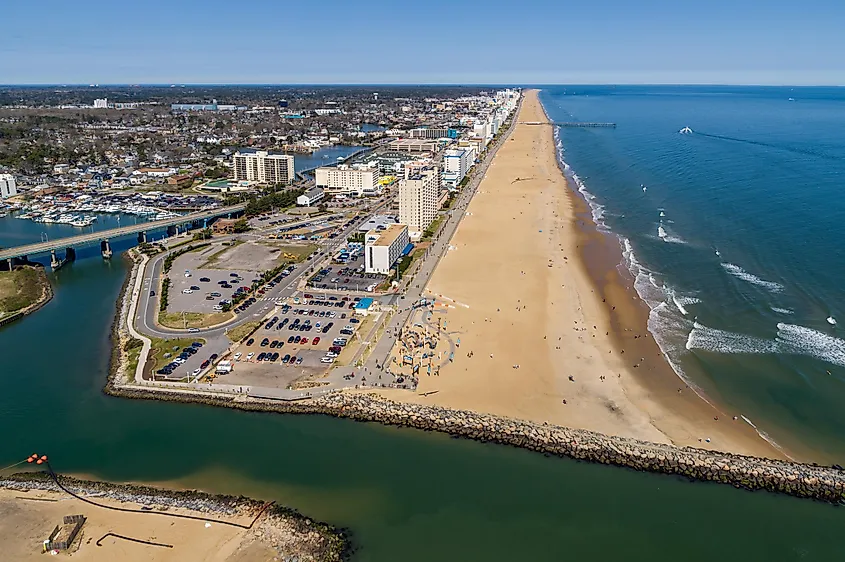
(430, 41)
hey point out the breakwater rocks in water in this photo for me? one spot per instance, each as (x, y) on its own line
(282, 528)
(751, 473)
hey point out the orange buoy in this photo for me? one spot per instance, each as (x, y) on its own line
(44, 458)
(30, 459)
(39, 461)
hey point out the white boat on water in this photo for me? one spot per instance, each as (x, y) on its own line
(686, 131)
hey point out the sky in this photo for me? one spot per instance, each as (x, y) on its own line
(521, 42)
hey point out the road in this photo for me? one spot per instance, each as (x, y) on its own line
(216, 340)
(438, 249)
(40, 247)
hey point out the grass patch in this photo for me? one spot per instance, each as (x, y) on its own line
(238, 333)
(183, 320)
(21, 288)
(162, 347)
(433, 227)
(215, 257)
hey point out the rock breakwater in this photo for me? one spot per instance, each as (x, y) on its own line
(751, 473)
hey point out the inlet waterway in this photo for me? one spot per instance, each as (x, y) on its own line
(407, 495)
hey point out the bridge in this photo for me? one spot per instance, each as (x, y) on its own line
(103, 236)
(569, 124)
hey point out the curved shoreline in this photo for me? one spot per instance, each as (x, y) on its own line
(46, 296)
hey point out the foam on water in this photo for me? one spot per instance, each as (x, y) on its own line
(782, 310)
(722, 341)
(801, 340)
(791, 339)
(740, 273)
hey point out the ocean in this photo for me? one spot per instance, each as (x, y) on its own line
(731, 233)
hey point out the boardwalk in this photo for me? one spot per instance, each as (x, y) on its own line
(71, 241)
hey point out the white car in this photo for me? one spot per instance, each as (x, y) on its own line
(327, 359)
(194, 330)
(331, 355)
(217, 307)
(187, 274)
(237, 356)
(249, 355)
(178, 360)
(196, 372)
(187, 291)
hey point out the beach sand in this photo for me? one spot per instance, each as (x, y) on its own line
(28, 517)
(530, 283)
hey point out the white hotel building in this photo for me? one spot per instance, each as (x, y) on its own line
(456, 164)
(261, 166)
(383, 247)
(349, 180)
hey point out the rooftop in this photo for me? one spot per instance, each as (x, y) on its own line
(387, 236)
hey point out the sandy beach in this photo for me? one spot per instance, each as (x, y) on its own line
(27, 518)
(549, 329)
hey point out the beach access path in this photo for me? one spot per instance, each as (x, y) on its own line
(537, 341)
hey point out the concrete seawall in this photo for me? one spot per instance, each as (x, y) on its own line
(795, 479)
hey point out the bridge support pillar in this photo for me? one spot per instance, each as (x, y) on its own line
(54, 261)
(70, 254)
(142, 237)
(105, 249)
(172, 230)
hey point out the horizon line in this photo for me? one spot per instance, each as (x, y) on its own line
(405, 84)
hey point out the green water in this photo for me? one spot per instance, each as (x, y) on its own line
(406, 495)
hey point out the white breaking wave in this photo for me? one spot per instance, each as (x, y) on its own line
(801, 340)
(791, 340)
(740, 273)
(782, 310)
(721, 341)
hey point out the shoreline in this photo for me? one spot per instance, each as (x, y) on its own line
(244, 523)
(46, 296)
(601, 255)
(752, 471)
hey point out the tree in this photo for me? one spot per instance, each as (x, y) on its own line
(240, 226)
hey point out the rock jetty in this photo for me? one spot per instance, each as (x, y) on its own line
(751, 473)
(279, 526)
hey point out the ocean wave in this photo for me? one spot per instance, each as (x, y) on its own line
(801, 340)
(791, 339)
(722, 341)
(740, 273)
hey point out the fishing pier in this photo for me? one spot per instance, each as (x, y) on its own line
(570, 124)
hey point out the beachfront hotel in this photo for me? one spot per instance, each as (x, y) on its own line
(383, 246)
(418, 198)
(456, 164)
(263, 167)
(358, 180)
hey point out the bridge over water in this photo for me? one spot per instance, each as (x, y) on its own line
(103, 236)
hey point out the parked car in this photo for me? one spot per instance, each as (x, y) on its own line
(286, 358)
(303, 341)
(205, 280)
(265, 342)
(250, 355)
(261, 356)
(237, 356)
(292, 360)
(315, 341)
(299, 361)
(250, 341)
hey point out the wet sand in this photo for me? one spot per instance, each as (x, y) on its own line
(549, 329)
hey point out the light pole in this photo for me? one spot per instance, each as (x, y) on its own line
(44, 237)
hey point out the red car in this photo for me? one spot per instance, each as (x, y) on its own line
(315, 341)
(292, 360)
(303, 341)
(308, 296)
(205, 364)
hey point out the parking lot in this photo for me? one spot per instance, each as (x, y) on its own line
(297, 338)
(347, 276)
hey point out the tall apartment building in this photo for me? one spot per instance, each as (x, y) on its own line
(349, 180)
(456, 164)
(8, 187)
(101, 103)
(433, 133)
(418, 193)
(263, 167)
